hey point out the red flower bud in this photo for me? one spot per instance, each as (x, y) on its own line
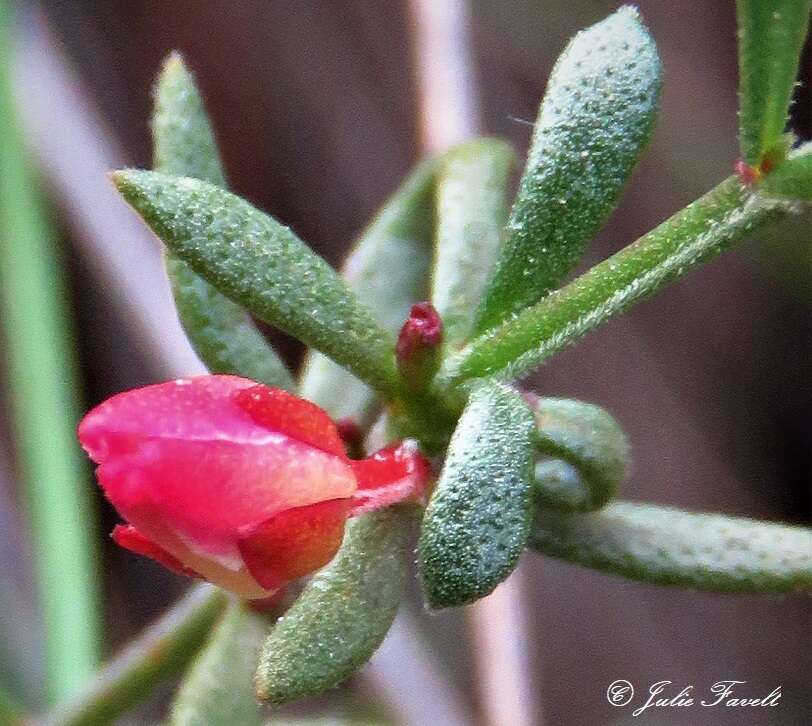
(418, 346)
(243, 485)
(748, 175)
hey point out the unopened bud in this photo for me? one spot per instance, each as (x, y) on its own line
(748, 175)
(419, 345)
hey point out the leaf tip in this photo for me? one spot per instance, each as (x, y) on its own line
(174, 72)
(174, 62)
(126, 181)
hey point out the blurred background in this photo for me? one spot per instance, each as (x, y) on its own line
(316, 107)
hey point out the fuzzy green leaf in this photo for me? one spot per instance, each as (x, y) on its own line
(595, 119)
(342, 615)
(218, 689)
(263, 265)
(478, 519)
(471, 212)
(694, 235)
(591, 442)
(792, 179)
(668, 546)
(771, 36)
(221, 332)
(183, 138)
(387, 270)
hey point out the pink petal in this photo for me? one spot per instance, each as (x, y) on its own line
(281, 411)
(127, 536)
(394, 474)
(294, 543)
(205, 492)
(191, 463)
(197, 408)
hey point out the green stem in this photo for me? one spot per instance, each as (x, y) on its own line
(160, 651)
(694, 235)
(41, 384)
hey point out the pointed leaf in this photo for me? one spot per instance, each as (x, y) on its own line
(692, 236)
(183, 138)
(771, 36)
(591, 442)
(221, 332)
(471, 212)
(792, 179)
(218, 689)
(387, 270)
(256, 261)
(595, 119)
(342, 615)
(666, 546)
(478, 519)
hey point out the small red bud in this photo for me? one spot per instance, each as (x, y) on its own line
(418, 346)
(748, 175)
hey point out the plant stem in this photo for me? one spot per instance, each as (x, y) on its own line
(42, 387)
(702, 230)
(160, 651)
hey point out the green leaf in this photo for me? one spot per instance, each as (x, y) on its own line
(694, 235)
(478, 519)
(471, 212)
(221, 332)
(595, 119)
(183, 138)
(387, 270)
(771, 36)
(257, 262)
(342, 615)
(792, 179)
(591, 442)
(218, 689)
(668, 546)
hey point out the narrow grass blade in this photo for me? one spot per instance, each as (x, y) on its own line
(41, 383)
